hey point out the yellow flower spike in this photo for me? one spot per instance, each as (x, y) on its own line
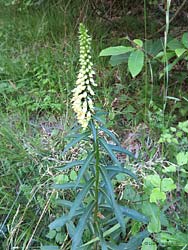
(82, 103)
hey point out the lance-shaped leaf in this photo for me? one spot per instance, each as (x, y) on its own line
(119, 169)
(116, 208)
(75, 141)
(83, 168)
(93, 129)
(121, 150)
(108, 149)
(69, 185)
(110, 134)
(71, 164)
(76, 240)
(60, 222)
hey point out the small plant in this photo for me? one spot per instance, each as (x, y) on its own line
(95, 211)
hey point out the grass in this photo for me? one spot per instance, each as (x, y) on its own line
(38, 66)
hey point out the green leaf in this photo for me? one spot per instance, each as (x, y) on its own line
(182, 158)
(138, 42)
(84, 167)
(49, 248)
(81, 226)
(185, 39)
(106, 146)
(110, 134)
(174, 44)
(170, 169)
(122, 170)
(136, 62)
(121, 150)
(157, 195)
(71, 164)
(80, 197)
(148, 244)
(116, 208)
(153, 212)
(69, 185)
(73, 175)
(133, 214)
(116, 60)
(93, 129)
(186, 188)
(51, 234)
(167, 185)
(75, 141)
(111, 51)
(154, 179)
(59, 222)
(179, 52)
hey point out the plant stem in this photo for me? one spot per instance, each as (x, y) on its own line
(96, 148)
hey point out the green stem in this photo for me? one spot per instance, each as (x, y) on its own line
(96, 148)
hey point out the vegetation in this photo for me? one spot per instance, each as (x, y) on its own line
(117, 178)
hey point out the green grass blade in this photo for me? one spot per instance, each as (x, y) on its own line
(81, 226)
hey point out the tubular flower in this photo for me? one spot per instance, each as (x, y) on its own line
(82, 94)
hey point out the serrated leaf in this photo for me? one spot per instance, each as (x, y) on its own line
(75, 141)
(117, 50)
(179, 52)
(83, 168)
(81, 226)
(136, 62)
(185, 39)
(117, 211)
(105, 145)
(122, 150)
(157, 195)
(167, 185)
(182, 158)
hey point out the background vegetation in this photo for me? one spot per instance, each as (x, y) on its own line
(39, 55)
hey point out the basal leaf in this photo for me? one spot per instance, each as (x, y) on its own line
(111, 51)
(136, 62)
